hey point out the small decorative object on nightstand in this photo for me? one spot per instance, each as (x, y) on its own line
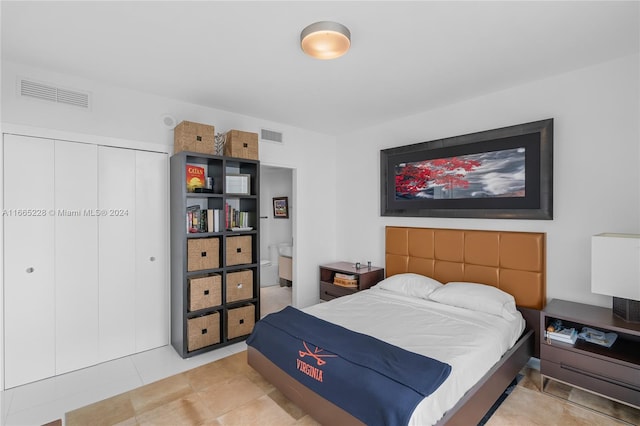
(344, 278)
(612, 372)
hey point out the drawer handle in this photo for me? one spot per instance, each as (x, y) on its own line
(241, 321)
(206, 292)
(599, 377)
(204, 331)
(239, 250)
(199, 138)
(30, 269)
(239, 285)
(203, 254)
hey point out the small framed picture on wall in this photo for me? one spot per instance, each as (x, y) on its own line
(281, 207)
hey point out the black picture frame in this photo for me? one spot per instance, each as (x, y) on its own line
(281, 207)
(533, 142)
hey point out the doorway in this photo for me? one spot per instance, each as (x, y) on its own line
(276, 238)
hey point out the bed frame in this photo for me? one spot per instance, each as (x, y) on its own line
(515, 262)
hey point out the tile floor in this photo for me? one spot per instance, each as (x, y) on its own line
(159, 387)
(226, 392)
(230, 393)
(46, 400)
(273, 298)
(526, 405)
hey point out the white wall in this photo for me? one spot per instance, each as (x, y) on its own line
(131, 115)
(596, 168)
(336, 192)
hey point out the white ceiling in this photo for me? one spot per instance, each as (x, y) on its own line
(244, 57)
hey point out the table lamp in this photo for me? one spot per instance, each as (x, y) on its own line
(615, 271)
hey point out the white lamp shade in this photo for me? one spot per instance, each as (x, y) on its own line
(615, 265)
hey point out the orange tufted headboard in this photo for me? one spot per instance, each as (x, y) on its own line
(515, 262)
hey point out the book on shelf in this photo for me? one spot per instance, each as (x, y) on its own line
(210, 221)
(216, 220)
(344, 282)
(345, 276)
(235, 218)
(566, 335)
(202, 220)
(195, 177)
(193, 215)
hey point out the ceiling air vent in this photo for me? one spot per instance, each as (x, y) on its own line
(270, 136)
(51, 93)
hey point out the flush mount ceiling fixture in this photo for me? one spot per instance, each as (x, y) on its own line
(325, 40)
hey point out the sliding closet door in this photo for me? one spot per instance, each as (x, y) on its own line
(116, 201)
(29, 289)
(76, 255)
(152, 285)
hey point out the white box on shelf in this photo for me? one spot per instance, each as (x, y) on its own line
(238, 184)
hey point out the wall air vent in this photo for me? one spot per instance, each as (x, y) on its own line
(270, 136)
(51, 93)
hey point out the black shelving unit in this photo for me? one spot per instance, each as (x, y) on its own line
(219, 168)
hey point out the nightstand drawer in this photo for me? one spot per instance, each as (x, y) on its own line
(329, 291)
(621, 391)
(612, 378)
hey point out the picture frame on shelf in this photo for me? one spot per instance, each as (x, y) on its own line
(281, 207)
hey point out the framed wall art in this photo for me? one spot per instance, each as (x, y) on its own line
(505, 173)
(281, 207)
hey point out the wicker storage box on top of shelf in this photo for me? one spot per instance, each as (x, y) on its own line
(239, 250)
(203, 253)
(205, 292)
(195, 137)
(241, 144)
(240, 321)
(203, 331)
(239, 285)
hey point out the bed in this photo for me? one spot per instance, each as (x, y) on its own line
(513, 262)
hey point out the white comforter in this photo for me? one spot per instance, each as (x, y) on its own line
(471, 342)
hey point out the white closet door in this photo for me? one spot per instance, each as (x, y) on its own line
(76, 255)
(116, 199)
(152, 285)
(29, 290)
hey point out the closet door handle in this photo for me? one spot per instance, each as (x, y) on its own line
(30, 269)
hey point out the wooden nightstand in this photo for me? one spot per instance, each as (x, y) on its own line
(365, 277)
(610, 372)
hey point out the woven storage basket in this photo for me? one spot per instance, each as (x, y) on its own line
(241, 144)
(196, 137)
(203, 253)
(205, 292)
(240, 321)
(239, 250)
(239, 285)
(203, 331)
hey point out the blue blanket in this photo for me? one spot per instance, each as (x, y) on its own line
(376, 382)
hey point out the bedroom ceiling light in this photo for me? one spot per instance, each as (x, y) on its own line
(325, 40)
